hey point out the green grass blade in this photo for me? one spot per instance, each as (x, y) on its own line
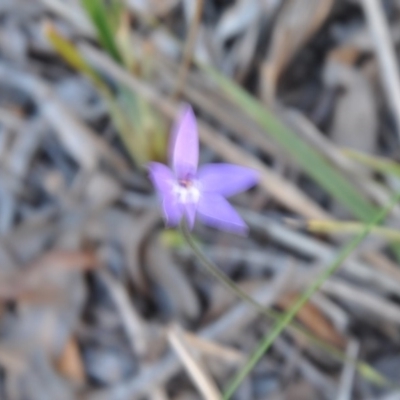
(290, 315)
(344, 228)
(379, 164)
(308, 158)
(375, 377)
(71, 56)
(104, 19)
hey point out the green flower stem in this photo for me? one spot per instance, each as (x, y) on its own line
(287, 318)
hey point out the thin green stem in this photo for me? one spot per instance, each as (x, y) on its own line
(363, 368)
(290, 315)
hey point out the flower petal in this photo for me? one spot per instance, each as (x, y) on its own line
(226, 179)
(185, 144)
(214, 210)
(161, 176)
(172, 210)
(163, 180)
(190, 213)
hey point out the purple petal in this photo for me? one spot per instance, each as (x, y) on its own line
(226, 179)
(214, 210)
(185, 144)
(172, 210)
(190, 213)
(161, 176)
(163, 179)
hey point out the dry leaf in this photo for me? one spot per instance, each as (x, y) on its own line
(312, 318)
(296, 24)
(70, 363)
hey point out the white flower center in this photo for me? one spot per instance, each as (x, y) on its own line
(186, 192)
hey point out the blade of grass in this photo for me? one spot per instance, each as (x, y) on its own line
(142, 131)
(308, 158)
(145, 125)
(379, 164)
(382, 165)
(71, 55)
(344, 227)
(126, 47)
(104, 19)
(290, 315)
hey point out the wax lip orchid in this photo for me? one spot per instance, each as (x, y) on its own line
(186, 190)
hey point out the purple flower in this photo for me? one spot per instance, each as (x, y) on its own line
(187, 191)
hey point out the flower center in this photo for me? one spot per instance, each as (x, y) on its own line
(186, 191)
(186, 183)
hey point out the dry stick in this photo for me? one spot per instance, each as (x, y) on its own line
(374, 304)
(383, 264)
(343, 228)
(133, 323)
(217, 351)
(188, 51)
(347, 377)
(385, 53)
(199, 376)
